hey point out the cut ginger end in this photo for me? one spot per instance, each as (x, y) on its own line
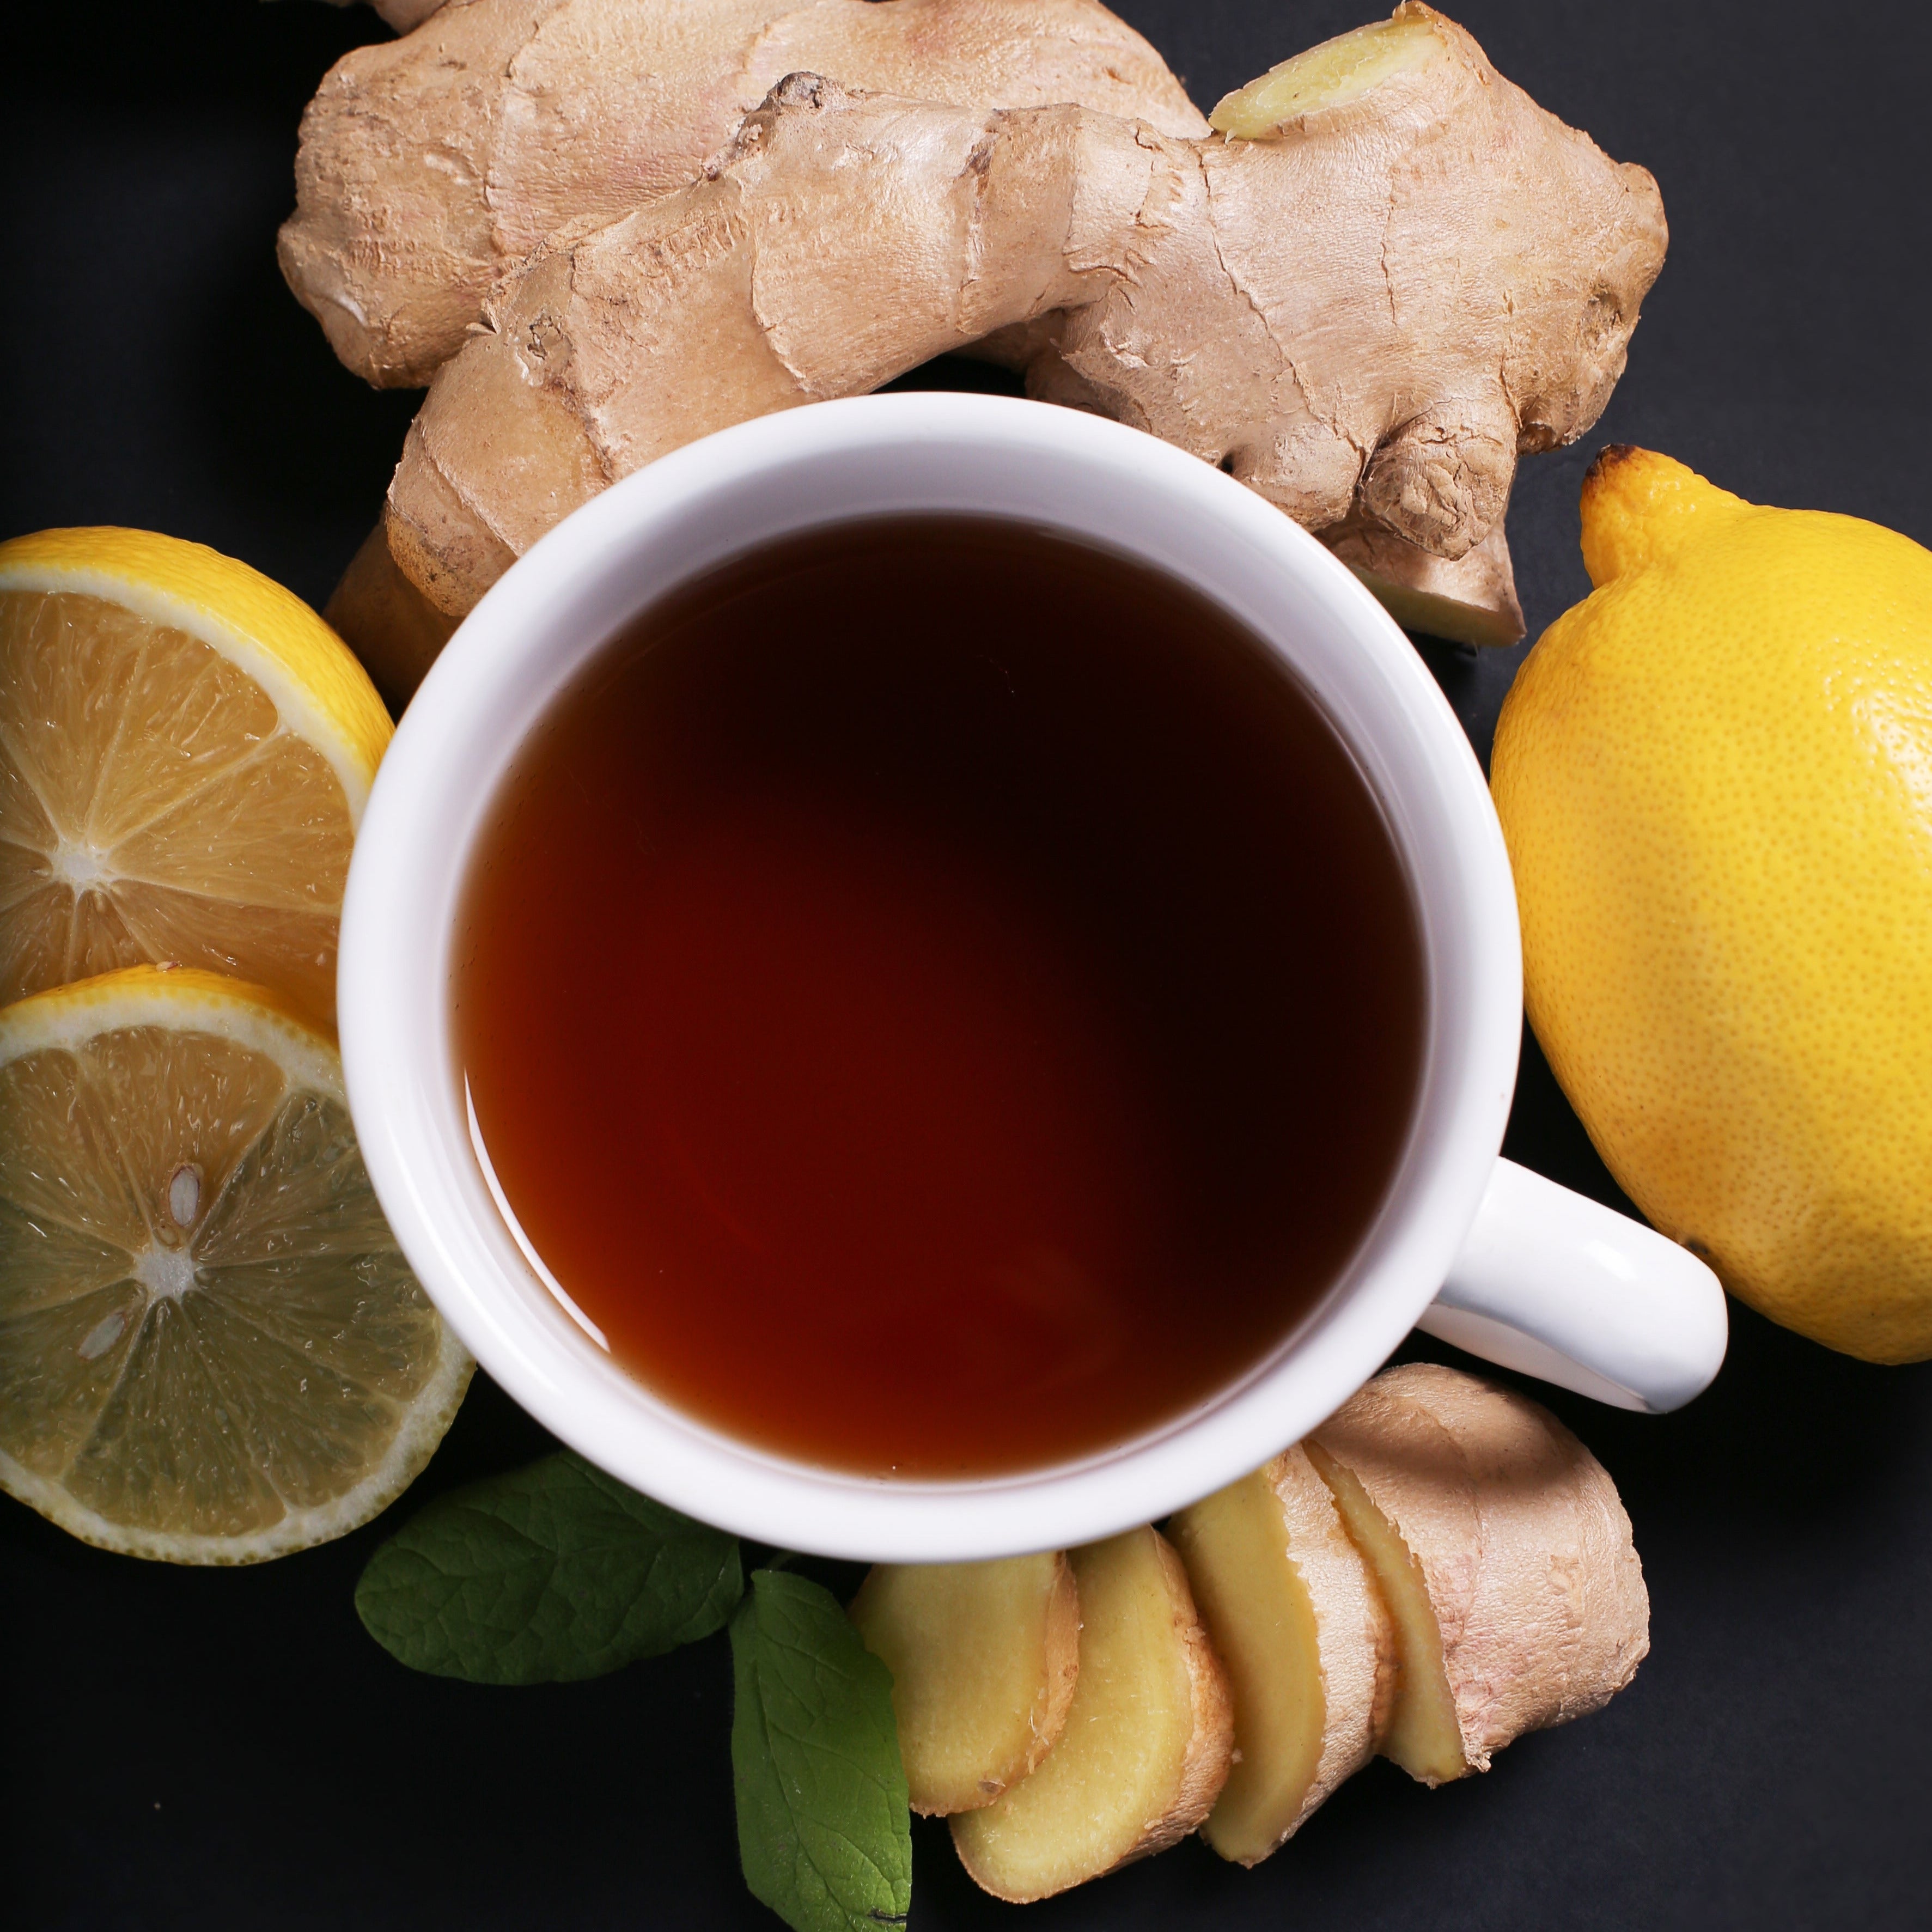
(1332, 75)
(1301, 1630)
(1503, 1554)
(983, 1657)
(1146, 1745)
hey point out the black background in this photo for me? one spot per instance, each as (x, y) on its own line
(227, 1748)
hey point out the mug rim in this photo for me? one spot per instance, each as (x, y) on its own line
(562, 602)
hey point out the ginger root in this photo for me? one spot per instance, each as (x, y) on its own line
(984, 1658)
(393, 630)
(1502, 1552)
(1309, 1650)
(1472, 601)
(430, 165)
(403, 15)
(1146, 1745)
(1367, 316)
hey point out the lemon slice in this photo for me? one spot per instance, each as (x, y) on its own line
(211, 1350)
(185, 750)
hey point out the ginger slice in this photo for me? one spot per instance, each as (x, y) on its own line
(1309, 1651)
(983, 1657)
(1422, 1735)
(1503, 1554)
(1146, 1747)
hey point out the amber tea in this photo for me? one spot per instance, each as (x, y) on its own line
(940, 997)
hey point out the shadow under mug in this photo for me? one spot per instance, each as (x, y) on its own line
(1471, 1247)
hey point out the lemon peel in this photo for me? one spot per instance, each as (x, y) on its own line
(1714, 777)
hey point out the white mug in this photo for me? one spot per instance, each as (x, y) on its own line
(1469, 1246)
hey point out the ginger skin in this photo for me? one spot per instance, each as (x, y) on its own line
(405, 15)
(431, 164)
(1536, 1609)
(1367, 316)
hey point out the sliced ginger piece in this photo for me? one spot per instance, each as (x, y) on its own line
(1307, 1645)
(1503, 1554)
(983, 1657)
(1146, 1747)
(1422, 1735)
(1332, 75)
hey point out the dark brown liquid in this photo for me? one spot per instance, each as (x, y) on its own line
(939, 998)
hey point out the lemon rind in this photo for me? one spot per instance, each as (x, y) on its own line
(345, 723)
(182, 999)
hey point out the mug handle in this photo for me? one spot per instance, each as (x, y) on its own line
(1559, 1286)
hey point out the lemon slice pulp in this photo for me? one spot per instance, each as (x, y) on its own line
(185, 751)
(212, 1349)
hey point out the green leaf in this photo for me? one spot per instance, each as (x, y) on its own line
(550, 1573)
(824, 1831)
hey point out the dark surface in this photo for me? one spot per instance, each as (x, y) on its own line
(214, 1749)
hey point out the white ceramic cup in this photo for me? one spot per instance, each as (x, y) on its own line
(1472, 1248)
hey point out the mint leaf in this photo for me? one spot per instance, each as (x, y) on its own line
(824, 1832)
(550, 1573)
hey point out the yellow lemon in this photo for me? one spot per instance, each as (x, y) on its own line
(1714, 775)
(211, 1350)
(185, 750)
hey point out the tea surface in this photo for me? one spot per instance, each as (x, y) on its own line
(939, 999)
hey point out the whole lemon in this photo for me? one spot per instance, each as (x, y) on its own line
(1714, 776)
